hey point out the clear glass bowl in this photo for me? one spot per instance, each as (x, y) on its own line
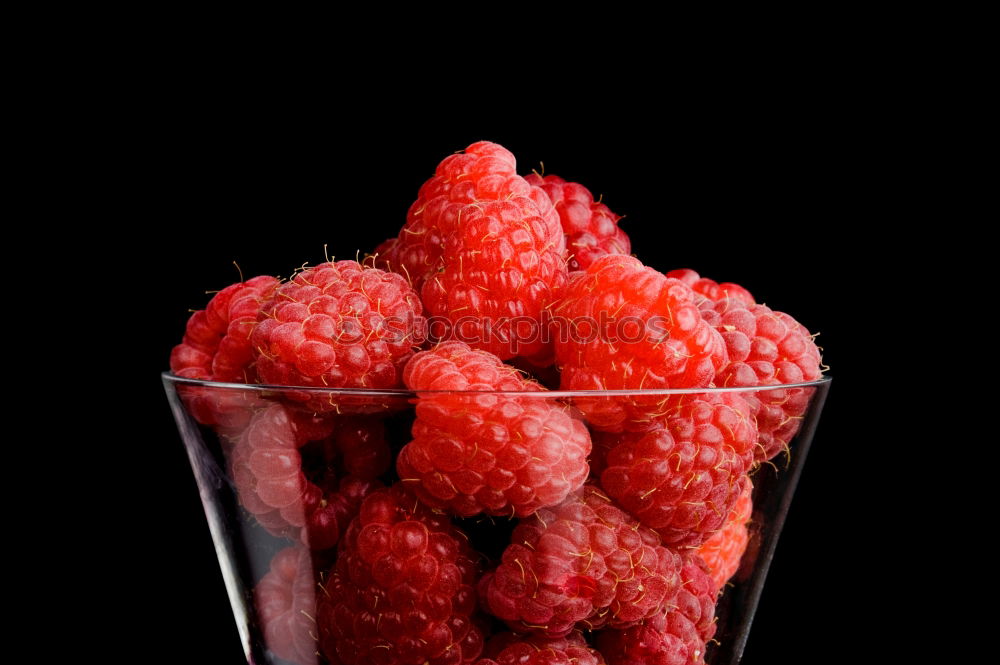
(261, 546)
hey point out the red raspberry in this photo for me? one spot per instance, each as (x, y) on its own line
(216, 347)
(711, 289)
(402, 590)
(386, 257)
(723, 551)
(584, 560)
(682, 479)
(591, 228)
(766, 348)
(623, 326)
(513, 649)
(273, 487)
(485, 249)
(676, 637)
(484, 171)
(338, 325)
(362, 446)
(501, 268)
(286, 603)
(498, 454)
(216, 344)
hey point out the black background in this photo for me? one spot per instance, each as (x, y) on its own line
(770, 200)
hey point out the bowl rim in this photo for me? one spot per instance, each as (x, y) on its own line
(173, 379)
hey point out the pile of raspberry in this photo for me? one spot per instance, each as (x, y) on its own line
(613, 525)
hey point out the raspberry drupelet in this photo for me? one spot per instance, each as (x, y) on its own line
(766, 348)
(623, 326)
(338, 325)
(486, 251)
(590, 227)
(677, 636)
(314, 508)
(402, 590)
(504, 455)
(513, 649)
(582, 564)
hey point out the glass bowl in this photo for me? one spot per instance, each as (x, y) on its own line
(276, 543)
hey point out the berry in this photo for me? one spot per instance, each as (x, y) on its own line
(267, 469)
(501, 268)
(590, 227)
(723, 551)
(216, 347)
(484, 171)
(362, 446)
(675, 637)
(286, 601)
(682, 479)
(385, 256)
(216, 344)
(512, 649)
(499, 454)
(711, 289)
(766, 348)
(582, 562)
(485, 250)
(402, 590)
(338, 325)
(623, 326)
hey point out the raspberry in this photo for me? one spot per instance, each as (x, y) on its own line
(711, 289)
(499, 271)
(216, 344)
(338, 325)
(361, 443)
(723, 551)
(286, 601)
(402, 590)
(268, 472)
(682, 479)
(512, 649)
(484, 171)
(216, 347)
(582, 561)
(623, 326)
(498, 454)
(675, 637)
(766, 348)
(385, 256)
(485, 250)
(591, 228)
